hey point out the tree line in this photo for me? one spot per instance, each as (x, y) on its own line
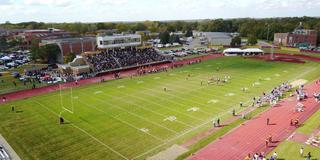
(259, 28)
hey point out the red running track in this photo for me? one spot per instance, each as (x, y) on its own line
(131, 72)
(250, 137)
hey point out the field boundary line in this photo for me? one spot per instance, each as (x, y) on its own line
(186, 132)
(88, 134)
(131, 125)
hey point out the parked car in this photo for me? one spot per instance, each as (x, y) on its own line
(16, 74)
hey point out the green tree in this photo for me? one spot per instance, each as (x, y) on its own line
(164, 37)
(174, 39)
(3, 43)
(47, 54)
(51, 52)
(36, 52)
(252, 40)
(100, 26)
(189, 33)
(69, 57)
(236, 41)
(121, 27)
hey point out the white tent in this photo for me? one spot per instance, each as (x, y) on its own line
(238, 51)
(253, 50)
(5, 58)
(232, 51)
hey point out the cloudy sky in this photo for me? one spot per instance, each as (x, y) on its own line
(139, 10)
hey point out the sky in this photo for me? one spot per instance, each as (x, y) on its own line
(140, 10)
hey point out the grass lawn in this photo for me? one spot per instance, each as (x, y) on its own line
(291, 51)
(311, 124)
(289, 150)
(135, 118)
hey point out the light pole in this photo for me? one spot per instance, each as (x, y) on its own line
(272, 46)
(268, 32)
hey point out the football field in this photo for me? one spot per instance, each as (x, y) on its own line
(133, 118)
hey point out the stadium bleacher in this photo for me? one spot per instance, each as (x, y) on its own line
(3, 154)
(119, 58)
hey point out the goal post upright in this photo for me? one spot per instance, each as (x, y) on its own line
(71, 103)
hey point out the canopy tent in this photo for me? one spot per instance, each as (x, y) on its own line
(5, 58)
(238, 51)
(253, 50)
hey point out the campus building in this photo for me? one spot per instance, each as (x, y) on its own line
(28, 36)
(72, 45)
(215, 38)
(298, 38)
(118, 41)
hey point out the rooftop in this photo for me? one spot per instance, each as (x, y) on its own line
(217, 34)
(69, 40)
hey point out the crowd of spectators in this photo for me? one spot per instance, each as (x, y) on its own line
(117, 58)
(273, 97)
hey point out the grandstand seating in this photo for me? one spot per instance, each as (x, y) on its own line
(3, 154)
(119, 58)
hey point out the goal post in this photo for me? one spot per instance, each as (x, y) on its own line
(66, 100)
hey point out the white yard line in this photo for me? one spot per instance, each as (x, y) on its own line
(195, 127)
(82, 130)
(186, 132)
(138, 106)
(205, 123)
(113, 106)
(131, 125)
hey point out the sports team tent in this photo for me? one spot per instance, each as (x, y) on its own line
(253, 51)
(238, 51)
(232, 52)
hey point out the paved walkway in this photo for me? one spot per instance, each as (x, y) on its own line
(250, 136)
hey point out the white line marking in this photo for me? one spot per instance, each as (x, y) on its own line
(94, 138)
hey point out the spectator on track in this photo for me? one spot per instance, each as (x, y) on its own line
(299, 107)
(255, 156)
(316, 97)
(275, 155)
(248, 157)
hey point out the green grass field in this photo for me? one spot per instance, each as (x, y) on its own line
(292, 51)
(136, 118)
(289, 150)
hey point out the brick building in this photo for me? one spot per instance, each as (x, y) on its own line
(72, 45)
(298, 38)
(27, 36)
